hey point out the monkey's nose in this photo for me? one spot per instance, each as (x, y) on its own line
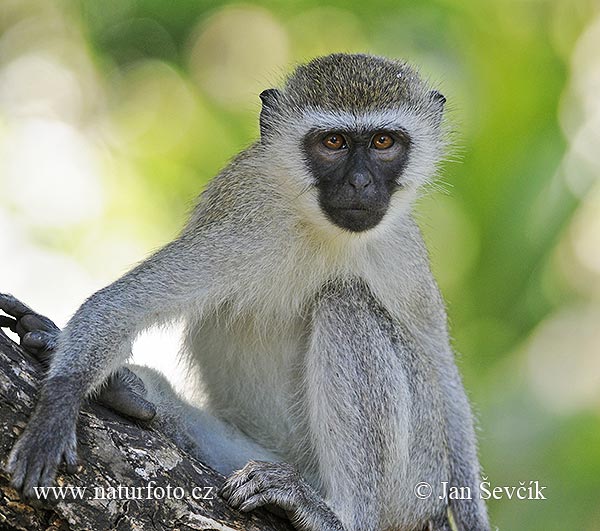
(359, 181)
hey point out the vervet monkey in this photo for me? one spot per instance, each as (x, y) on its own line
(314, 326)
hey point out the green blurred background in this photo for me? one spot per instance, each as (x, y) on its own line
(115, 113)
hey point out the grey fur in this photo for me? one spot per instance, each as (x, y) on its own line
(354, 83)
(322, 356)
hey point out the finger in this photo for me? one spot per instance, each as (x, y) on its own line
(233, 482)
(18, 475)
(127, 379)
(13, 306)
(72, 468)
(33, 476)
(8, 322)
(128, 403)
(47, 474)
(258, 500)
(71, 460)
(15, 468)
(242, 493)
(35, 321)
(42, 345)
(20, 329)
(39, 340)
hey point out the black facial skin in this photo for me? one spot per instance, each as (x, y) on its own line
(356, 181)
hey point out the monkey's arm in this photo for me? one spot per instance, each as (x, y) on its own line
(95, 342)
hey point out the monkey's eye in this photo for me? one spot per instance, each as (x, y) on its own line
(334, 141)
(382, 141)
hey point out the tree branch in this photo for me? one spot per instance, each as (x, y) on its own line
(132, 477)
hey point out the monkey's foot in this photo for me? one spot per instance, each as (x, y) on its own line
(124, 392)
(261, 483)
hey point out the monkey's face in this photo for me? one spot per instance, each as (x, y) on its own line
(356, 173)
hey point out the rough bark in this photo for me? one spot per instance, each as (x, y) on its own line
(113, 452)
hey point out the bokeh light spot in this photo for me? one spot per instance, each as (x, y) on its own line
(236, 52)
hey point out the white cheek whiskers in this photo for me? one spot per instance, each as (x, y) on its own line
(289, 164)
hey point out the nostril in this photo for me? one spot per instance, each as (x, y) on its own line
(360, 181)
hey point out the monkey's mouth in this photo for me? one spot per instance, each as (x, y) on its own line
(356, 210)
(355, 218)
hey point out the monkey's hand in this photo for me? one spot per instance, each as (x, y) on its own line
(48, 439)
(262, 484)
(50, 436)
(123, 391)
(38, 335)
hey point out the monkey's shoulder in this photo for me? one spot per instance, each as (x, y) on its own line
(238, 194)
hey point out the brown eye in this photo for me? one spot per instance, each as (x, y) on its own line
(382, 141)
(334, 141)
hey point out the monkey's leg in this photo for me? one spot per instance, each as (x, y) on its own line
(351, 385)
(196, 430)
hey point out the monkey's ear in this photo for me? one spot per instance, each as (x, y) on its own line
(438, 99)
(270, 103)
